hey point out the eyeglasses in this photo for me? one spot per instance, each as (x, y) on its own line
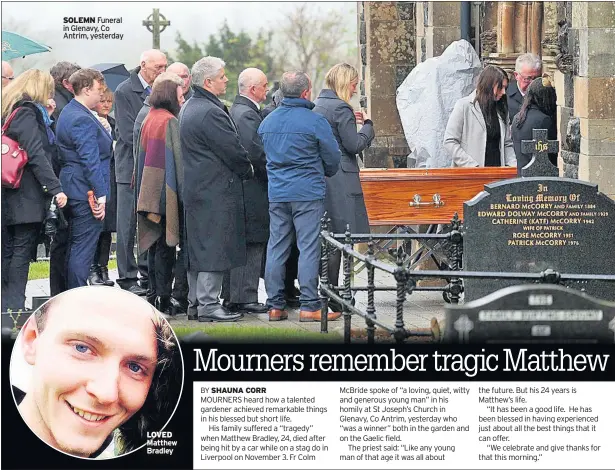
(526, 79)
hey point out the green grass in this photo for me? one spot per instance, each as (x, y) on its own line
(257, 334)
(40, 269)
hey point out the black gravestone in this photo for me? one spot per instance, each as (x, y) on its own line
(528, 225)
(540, 148)
(532, 314)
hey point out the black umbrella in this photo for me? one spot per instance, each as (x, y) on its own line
(114, 74)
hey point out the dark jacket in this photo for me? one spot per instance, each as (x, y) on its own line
(344, 202)
(247, 118)
(136, 132)
(276, 100)
(535, 119)
(189, 94)
(301, 150)
(110, 221)
(85, 149)
(514, 99)
(62, 97)
(29, 203)
(129, 97)
(215, 162)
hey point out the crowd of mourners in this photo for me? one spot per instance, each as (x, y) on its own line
(214, 198)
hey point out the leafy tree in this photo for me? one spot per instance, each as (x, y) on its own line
(238, 50)
(186, 53)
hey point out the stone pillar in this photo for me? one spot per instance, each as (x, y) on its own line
(593, 24)
(387, 44)
(519, 29)
(535, 28)
(550, 30)
(560, 44)
(442, 26)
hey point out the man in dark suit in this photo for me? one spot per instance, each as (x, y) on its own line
(240, 288)
(85, 149)
(61, 73)
(215, 163)
(129, 98)
(527, 68)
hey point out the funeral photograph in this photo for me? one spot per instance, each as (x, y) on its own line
(314, 172)
(94, 370)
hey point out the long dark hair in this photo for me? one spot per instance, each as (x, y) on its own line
(487, 81)
(541, 95)
(164, 96)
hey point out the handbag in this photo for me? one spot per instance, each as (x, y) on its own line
(14, 158)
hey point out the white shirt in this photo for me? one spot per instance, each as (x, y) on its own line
(258, 106)
(142, 80)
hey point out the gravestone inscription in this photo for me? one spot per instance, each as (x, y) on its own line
(534, 224)
(532, 314)
(540, 222)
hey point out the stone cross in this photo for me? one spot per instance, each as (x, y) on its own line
(156, 23)
(464, 325)
(540, 148)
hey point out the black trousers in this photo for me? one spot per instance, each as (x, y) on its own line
(57, 262)
(18, 241)
(240, 284)
(103, 249)
(160, 262)
(180, 274)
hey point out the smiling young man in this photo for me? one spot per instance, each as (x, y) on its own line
(100, 362)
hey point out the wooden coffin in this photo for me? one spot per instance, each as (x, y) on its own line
(412, 196)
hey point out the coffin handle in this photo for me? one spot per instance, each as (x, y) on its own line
(416, 201)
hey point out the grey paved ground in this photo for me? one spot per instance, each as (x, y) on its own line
(419, 308)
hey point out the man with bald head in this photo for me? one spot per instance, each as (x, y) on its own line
(240, 287)
(183, 72)
(129, 98)
(99, 359)
(7, 73)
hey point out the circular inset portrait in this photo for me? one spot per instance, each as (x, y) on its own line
(94, 370)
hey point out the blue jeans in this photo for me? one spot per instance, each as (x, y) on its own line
(83, 233)
(302, 218)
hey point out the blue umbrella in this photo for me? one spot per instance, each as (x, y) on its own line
(114, 74)
(15, 45)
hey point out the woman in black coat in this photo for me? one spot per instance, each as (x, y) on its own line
(538, 111)
(24, 209)
(344, 201)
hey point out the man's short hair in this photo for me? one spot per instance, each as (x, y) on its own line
(249, 77)
(528, 59)
(207, 67)
(85, 78)
(150, 55)
(62, 71)
(178, 65)
(164, 390)
(167, 77)
(294, 83)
